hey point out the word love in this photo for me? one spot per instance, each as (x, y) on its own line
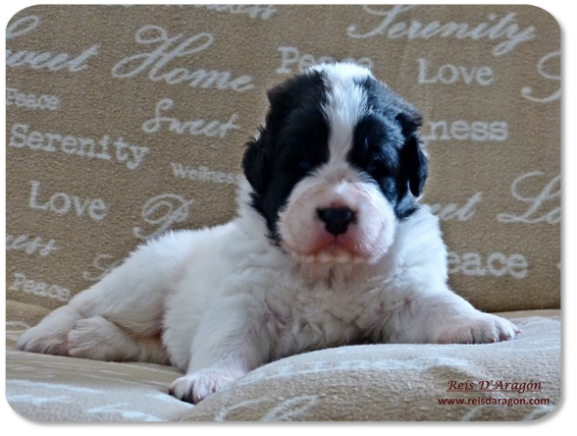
(495, 264)
(161, 212)
(495, 29)
(193, 127)
(540, 208)
(62, 203)
(292, 57)
(449, 74)
(43, 60)
(89, 148)
(158, 63)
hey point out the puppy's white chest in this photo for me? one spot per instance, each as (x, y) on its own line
(305, 318)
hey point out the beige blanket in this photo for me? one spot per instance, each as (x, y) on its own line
(355, 383)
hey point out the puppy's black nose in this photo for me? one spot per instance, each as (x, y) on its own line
(337, 219)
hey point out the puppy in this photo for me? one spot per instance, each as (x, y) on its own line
(330, 247)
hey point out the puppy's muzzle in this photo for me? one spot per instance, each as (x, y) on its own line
(336, 219)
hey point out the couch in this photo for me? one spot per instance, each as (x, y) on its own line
(126, 121)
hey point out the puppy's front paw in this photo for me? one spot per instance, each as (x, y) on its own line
(477, 328)
(198, 385)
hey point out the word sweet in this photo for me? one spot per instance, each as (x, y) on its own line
(496, 264)
(62, 203)
(291, 56)
(263, 12)
(527, 91)
(453, 212)
(131, 155)
(31, 101)
(542, 207)
(161, 212)
(29, 286)
(503, 28)
(204, 174)
(30, 245)
(168, 49)
(462, 130)
(449, 74)
(103, 263)
(193, 127)
(43, 60)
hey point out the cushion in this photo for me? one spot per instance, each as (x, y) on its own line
(516, 380)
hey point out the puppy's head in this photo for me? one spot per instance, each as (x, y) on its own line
(337, 164)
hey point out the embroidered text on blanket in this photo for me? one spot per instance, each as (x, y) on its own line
(545, 67)
(161, 212)
(103, 263)
(463, 130)
(156, 61)
(449, 74)
(91, 148)
(62, 203)
(43, 60)
(24, 284)
(496, 264)
(542, 207)
(30, 245)
(291, 56)
(496, 28)
(192, 127)
(454, 212)
(204, 174)
(264, 12)
(15, 97)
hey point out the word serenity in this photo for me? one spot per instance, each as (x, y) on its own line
(89, 148)
(496, 28)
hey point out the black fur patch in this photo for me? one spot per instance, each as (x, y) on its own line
(294, 143)
(386, 148)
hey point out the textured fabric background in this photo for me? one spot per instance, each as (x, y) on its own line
(123, 122)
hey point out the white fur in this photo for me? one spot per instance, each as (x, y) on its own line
(221, 301)
(226, 301)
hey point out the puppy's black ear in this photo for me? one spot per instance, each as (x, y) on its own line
(254, 163)
(414, 159)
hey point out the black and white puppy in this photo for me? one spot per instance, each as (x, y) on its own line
(330, 247)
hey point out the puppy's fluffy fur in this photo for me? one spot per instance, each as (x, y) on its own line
(330, 247)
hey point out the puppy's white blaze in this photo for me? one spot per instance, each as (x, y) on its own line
(346, 104)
